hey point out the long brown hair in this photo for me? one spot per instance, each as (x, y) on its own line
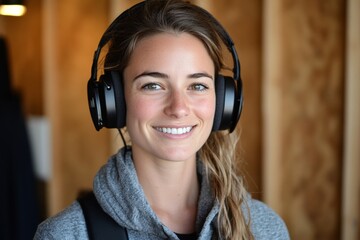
(218, 153)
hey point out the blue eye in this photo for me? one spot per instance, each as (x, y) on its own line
(199, 87)
(151, 86)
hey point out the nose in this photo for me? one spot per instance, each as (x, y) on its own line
(177, 105)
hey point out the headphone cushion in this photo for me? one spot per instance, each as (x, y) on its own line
(225, 99)
(94, 103)
(116, 106)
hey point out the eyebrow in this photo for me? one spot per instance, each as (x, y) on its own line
(151, 74)
(165, 76)
(200, 75)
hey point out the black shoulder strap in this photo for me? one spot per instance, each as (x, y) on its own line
(99, 224)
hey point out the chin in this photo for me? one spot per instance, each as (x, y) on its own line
(178, 156)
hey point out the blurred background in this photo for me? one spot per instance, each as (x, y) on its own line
(300, 127)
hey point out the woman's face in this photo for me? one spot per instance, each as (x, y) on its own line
(170, 96)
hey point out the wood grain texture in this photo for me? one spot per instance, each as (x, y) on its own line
(73, 29)
(351, 179)
(311, 83)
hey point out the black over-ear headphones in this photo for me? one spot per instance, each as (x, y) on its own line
(106, 96)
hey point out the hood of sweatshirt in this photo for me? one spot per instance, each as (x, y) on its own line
(120, 194)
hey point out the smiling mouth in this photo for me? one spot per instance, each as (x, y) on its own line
(174, 131)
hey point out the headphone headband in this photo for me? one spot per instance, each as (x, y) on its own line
(105, 37)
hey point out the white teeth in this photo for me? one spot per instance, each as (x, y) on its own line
(175, 131)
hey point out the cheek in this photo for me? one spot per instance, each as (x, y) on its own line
(206, 108)
(141, 109)
(136, 113)
(134, 106)
(137, 109)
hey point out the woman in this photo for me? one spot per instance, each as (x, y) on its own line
(178, 180)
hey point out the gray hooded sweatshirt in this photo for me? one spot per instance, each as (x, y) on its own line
(117, 189)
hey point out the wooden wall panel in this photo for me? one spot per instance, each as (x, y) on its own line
(72, 31)
(351, 178)
(304, 83)
(242, 20)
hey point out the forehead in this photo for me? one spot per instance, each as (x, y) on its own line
(170, 40)
(169, 52)
(166, 44)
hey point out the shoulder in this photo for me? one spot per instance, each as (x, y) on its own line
(68, 224)
(265, 223)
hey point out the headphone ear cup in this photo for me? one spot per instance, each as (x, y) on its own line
(112, 100)
(107, 101)
(225, 103)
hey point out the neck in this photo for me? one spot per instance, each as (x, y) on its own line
(172, 190)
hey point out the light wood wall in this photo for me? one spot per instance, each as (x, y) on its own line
(71, 33)
(295, 58)
(351, 178)
(303, 104)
